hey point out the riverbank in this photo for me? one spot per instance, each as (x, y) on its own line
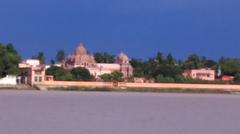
(199, 90)
(8, 87)
(142, 90)
(17, 87)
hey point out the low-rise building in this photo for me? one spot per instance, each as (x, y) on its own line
(35, 72)
(227, 78)
(202, 74)
(8, 80)
(29, 63)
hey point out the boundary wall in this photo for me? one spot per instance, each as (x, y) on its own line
(139, 85)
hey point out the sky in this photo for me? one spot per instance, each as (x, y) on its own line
(140, 28)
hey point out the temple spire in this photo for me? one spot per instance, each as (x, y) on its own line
(81, 50)
(81, 44)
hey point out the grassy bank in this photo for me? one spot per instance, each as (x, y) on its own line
(8, 86)
(155, 90)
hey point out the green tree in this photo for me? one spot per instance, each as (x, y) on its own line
(9, 59)
(170, 60)
(59, 73)
(208, 63)
(138, 67)
(159, 58)
(229, 66)
(81, 74)
(237, 77)
(2, 53)
(193, 62)
(41, 57)
(104, 57)
(159, 66)
(117, 76)
(60, 55)
(151, 68)
(106, 77)
(10, 49)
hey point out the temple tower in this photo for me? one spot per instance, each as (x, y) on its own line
(80, 58)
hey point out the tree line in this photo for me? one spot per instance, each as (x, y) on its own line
(160, 68)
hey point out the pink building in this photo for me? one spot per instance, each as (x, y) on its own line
(202, 74)
(81, 58)
(227, 78)
(36, 72)
(29, 63)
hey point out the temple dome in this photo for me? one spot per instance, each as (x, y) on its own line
(80, 58)
(122, 58)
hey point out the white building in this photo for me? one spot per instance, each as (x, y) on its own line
(8, 80)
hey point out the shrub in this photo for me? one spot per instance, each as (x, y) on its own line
(59, 73)
(81, 74)
(106, 77)
(113, 77)
(161, 78)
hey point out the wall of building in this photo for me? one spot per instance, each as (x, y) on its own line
(36, 75)
(184, 86)
(29, 63)
(76, 83)
(203, 74)
(104, 68)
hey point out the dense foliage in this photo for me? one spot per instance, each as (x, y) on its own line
(230, 66)
(59, 73)
(114, 76)
(41, 57)
(168, 69)
(104, 57)
(60, 56)
(9, 59)
(81, 74)
(76, 74)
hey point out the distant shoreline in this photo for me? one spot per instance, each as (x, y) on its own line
(142, 90)
(124, 89)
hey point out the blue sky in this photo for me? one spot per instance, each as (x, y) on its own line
(139, 28)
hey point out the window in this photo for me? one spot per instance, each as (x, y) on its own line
(40, 79)
(36, 78)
